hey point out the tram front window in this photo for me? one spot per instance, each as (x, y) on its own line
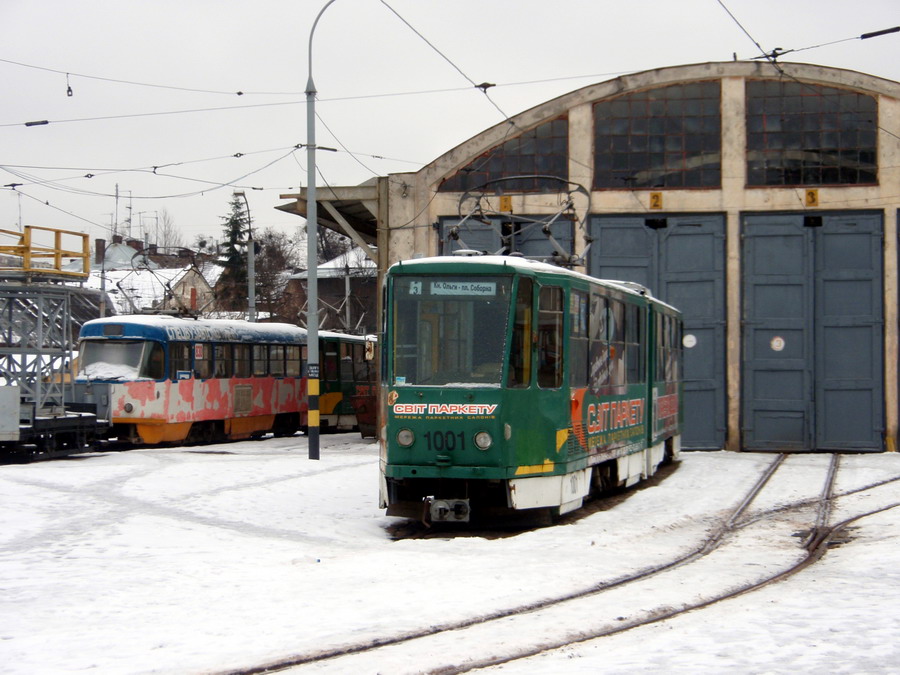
(120, 360)
(450, 330)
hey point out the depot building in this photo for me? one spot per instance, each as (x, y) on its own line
(761, 199)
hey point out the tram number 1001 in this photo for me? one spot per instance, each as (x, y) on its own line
(445, 441)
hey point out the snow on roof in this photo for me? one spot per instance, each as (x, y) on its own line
(124, 257)
(142, 287)
(526, 263)
(211, 272)
(190, 328)
(355, 260)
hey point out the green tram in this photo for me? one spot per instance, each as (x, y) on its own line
(511, 384)
(347, 382)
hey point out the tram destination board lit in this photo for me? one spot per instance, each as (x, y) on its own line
(447, 287)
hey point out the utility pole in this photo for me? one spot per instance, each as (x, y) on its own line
(312, 289)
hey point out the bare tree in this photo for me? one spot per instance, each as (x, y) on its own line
(329, 244)
(332, 244)
(205, 244)
(168, 235)
(276, 258)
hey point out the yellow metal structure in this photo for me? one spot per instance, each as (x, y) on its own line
(30, 248)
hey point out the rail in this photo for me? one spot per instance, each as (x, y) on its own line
(505, 651)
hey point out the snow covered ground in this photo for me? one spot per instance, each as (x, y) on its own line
(210, 559)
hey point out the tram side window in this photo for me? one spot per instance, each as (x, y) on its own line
(203, 361)
(616, 343)
(154, 365)
(599, 341)
(276, 360)
(550, 334)
(260, 360)
(578, 341)
(223, 360)
(179, 359)
(673, 374)
(634, 354)
(668, 349)
(412, 343)
(520, 348)
(330, 362)
(241, 360)
(293, 364)
(660, 374)
(679, 350)
(346, 362)
(362, 369)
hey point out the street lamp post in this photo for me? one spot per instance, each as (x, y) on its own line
(312, 289)
(251, 262)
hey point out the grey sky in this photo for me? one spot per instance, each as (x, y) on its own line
(385, 95)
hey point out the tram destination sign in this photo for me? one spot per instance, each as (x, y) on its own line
(470, 288)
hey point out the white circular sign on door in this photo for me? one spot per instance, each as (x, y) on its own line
(689, 341)
(777, 343)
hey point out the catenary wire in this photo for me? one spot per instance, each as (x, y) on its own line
(483, 87)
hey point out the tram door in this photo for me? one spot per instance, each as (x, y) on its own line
(812, 333)
(681, 259)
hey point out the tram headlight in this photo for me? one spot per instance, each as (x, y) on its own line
(405, 437)
(483, 440)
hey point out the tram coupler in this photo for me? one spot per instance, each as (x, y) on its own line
(448, 510)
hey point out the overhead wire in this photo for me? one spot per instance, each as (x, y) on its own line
(149, 84)
(58, 183)
(214, 185)
(357, 97)
(56, 208)
(765, 55)
(771, 57)
(94, 171)
(778, 52)
(484, 86)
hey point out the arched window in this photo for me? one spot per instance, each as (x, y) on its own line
(668, 137)
(806, 134)
(542, 151)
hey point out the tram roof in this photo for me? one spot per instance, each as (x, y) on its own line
(162, 326)
(525, 264)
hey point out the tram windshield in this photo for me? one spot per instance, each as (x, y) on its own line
(120, 360)
(450, 330)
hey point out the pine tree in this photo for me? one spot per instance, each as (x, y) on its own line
(232, 287)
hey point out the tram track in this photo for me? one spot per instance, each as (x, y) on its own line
(510, 621)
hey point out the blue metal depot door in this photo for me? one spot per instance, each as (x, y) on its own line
(812, 372)
(504, 235)
(681, 259)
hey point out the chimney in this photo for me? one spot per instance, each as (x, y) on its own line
(99, 250)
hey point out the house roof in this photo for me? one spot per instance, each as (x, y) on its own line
(133, 290)
(123, 257)
(353, 263)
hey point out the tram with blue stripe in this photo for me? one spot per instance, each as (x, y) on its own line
(165, 379)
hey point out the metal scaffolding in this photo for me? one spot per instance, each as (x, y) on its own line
(37, 295)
